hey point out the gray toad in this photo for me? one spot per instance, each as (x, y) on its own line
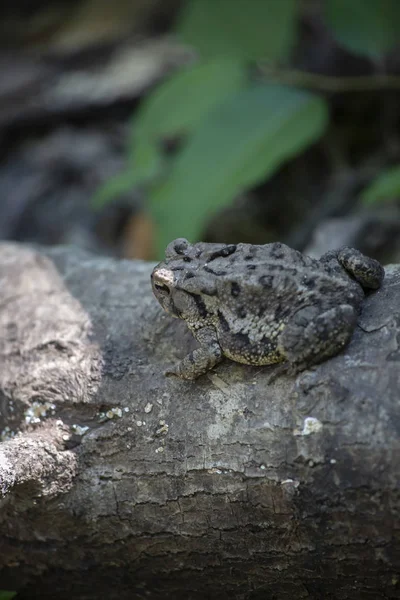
(260, 305)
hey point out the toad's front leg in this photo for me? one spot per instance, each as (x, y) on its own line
(202, 359)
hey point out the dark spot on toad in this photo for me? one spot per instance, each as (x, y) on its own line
(279, 268)
(268, 343)
(223, 252)
(213, 272)
(281, 312)
(325, 289)
(180, 248)
(201, 307)
(242, 312)
(223, 322)
(266, 280)
(242, 339)
(309, 282)
(235, 289)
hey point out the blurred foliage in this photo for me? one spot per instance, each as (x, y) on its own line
(7, 595)
(241, 29)
(230, 153)
(174, 108)
(383, 188)
(366, 27)
(235, 130)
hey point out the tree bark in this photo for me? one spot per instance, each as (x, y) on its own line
(117, 482)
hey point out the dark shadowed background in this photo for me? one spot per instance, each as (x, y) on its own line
(126, 124)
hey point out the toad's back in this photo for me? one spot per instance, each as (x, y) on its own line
(274, 275)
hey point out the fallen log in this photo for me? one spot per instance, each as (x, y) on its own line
(118, 482)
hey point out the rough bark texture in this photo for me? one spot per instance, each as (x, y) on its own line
(229, 487)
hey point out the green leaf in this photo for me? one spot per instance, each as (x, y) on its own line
(247, 29)
(241, 143)
(367, 27)
(147, 167)
(114, 187)
(385, 187)
(7, 595)
(177, 106)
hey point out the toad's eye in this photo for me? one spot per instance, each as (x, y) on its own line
(163, 289)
